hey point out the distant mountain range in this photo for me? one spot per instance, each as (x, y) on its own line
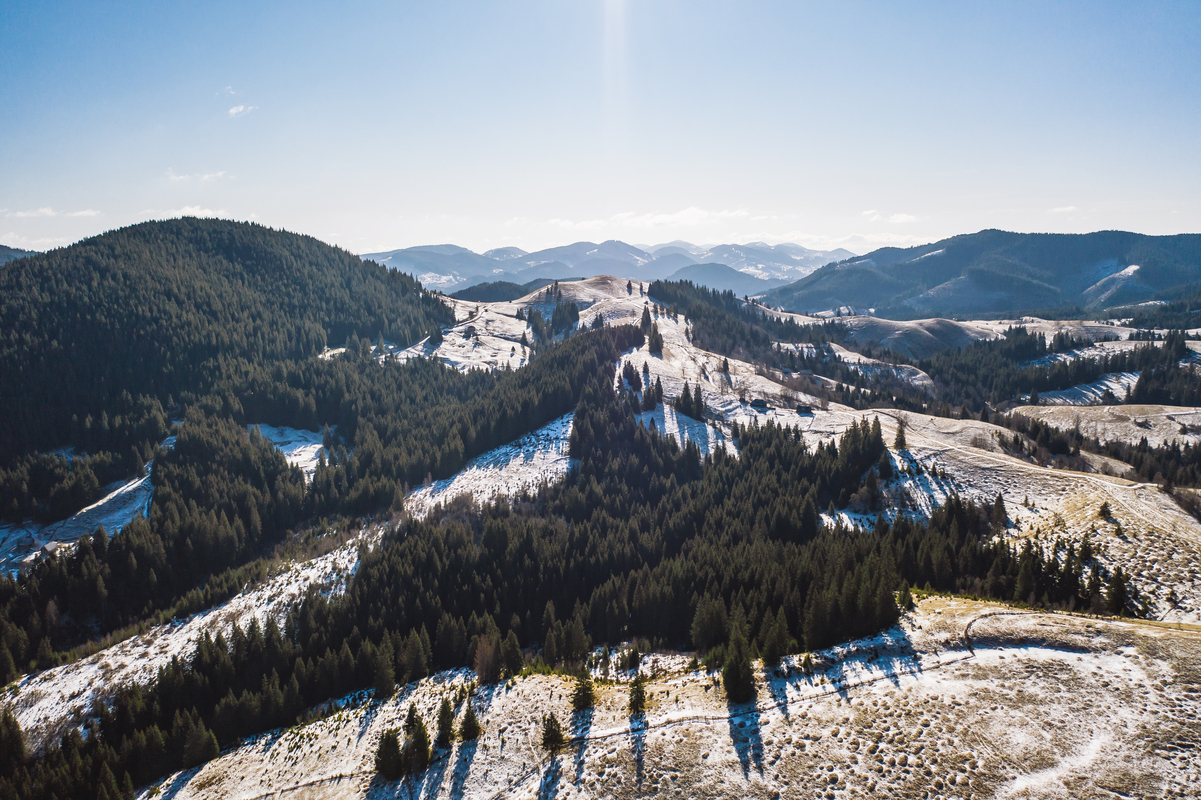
(995, 272)
(8, 254)
(745, 269)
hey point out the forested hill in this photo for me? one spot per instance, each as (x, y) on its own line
(12, 253)
(119, 323)
(997, 271)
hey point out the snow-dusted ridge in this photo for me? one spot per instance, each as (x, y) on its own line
(961, 699)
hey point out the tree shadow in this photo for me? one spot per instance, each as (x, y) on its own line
(380, 788)
(548, 787)
(431, 779)
(177, 783)
(638, 728)
(746, 737)
(581, 724)
(464, 756)
(778, 679)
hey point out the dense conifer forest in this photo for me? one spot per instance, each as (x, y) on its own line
(644, 540)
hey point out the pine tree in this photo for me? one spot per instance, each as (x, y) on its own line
(904, 598)
(388, 761)
(12, 743)
(552, 733)
(655, 339)
(583, 696)
(470, 727)
(736, 675)
(199, 746)
(511, 654)
(1116, 593)
(775, 641)
(385, 673)
(415, 755)
(899, 442)
(446, 721)
(638, 695)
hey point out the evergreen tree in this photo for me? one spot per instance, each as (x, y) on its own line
(1116, 593)
(638, 695)
(898, 443)
(199, 746)
(415, 754)
(446, 722)
(655, 339)
(583, 696)
(552, 733)
(12, 743)
(737, 675)
(470, 727)
(384, 678)
(388, 761)
(511, 654)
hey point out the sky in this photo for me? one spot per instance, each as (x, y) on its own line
(533, 124)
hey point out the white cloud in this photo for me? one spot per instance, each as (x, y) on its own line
(201, 176)
(871, 212)
(238, 111)
(896, 219)
(47, 211)
(14, 239)
(1064, 210)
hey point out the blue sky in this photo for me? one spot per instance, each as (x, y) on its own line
(376, 126)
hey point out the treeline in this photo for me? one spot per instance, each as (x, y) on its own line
(721, 323)
(999, 371)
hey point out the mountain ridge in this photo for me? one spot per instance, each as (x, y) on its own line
(995, 271)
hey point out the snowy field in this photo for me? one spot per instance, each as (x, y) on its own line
(20, 545)
(48, 702)
(1147, 533)
(1160, 425)
(300, 447)
(1091, 394)
(960, 700)
(536, 458)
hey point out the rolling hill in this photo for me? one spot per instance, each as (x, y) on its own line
(8, 254)
(723, 278)
(996, 271)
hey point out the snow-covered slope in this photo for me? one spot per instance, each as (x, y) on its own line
(960, 700)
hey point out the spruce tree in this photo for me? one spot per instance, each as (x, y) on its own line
(583, 696)
(388, 761)
(737, 675)
(638, 695)
(470, 727)
(899, 442)
(415, 754)
(511, 654)
(385, 673)
(446, 721)
(552, 733)
(1116, 593)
